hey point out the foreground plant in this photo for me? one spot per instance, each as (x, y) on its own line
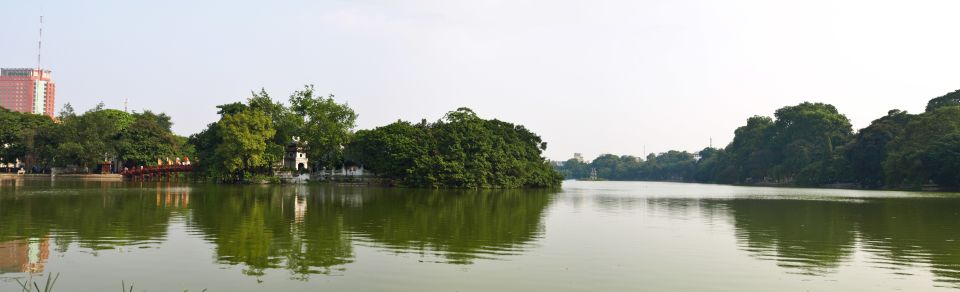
(30, 286)
(124, 288)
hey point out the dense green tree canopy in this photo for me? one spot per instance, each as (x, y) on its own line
(949, 99)
(147, 138)
(868, 149)
(245, 137)
(251, 138)
(750, 149)
(805, 137)
(813, 144)
(461, 150)
(17, 132)
(84, 140)
(923, 150)
(391, 150)
(326, 125)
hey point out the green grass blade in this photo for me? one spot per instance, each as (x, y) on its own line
(23, 285)
(50, 283)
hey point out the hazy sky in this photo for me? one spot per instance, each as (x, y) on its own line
(588, 76)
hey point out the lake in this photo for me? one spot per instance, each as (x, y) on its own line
(588, 236)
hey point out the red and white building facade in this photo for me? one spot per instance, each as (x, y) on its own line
(27, 90)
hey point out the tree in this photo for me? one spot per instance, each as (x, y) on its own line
(245, 136)
(806, 134)
(673, 166)
(9, 135)
(205, 162)
(285, 122)
(714, 166)
(85, 140)
(909, 156)
(390, 151)
(327, 125)
(38, 142)
(610, 167)
(146, 139)
(461, 150)
(949, 99)
(868, 149)
(750, 149)
(942, 160)
(18, 136)
(323, 124)
(574, 169)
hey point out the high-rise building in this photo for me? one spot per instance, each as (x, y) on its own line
(27, 90)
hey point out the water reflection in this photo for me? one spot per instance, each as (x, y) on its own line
(905, 232)
(312, 230)
(305, 230)
(24, 255)
(812, 237)
(815, 237)
(812, 232)
(274, 227)
(459, 226)
(95, 220)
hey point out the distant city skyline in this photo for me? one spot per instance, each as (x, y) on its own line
(604, 77)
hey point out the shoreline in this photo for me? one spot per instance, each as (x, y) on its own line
(91, 176)
(844, 186)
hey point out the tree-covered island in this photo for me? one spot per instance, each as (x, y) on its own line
(811, 144)
(251, 141)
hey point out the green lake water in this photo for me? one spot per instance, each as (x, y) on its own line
(587, 236)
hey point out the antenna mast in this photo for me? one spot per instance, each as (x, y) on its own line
(40, 45)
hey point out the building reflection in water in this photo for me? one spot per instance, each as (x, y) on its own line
(24, 255)
(11, 181)
(300, 204)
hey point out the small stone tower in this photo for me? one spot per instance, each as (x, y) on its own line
(296, 156)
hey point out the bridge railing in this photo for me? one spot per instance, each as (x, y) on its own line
(157, 169)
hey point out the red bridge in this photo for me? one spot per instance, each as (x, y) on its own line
(158, 172)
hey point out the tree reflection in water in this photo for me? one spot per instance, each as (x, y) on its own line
(311, 230)
(273, 227)
(98, 220)
(817, 236)
(318, 229)
(458, 225)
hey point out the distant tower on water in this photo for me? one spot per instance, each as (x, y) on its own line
(28, 90)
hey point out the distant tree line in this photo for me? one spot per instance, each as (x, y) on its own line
(811, 144)
(84, 140)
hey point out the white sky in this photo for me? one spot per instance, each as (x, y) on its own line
(588, 76)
